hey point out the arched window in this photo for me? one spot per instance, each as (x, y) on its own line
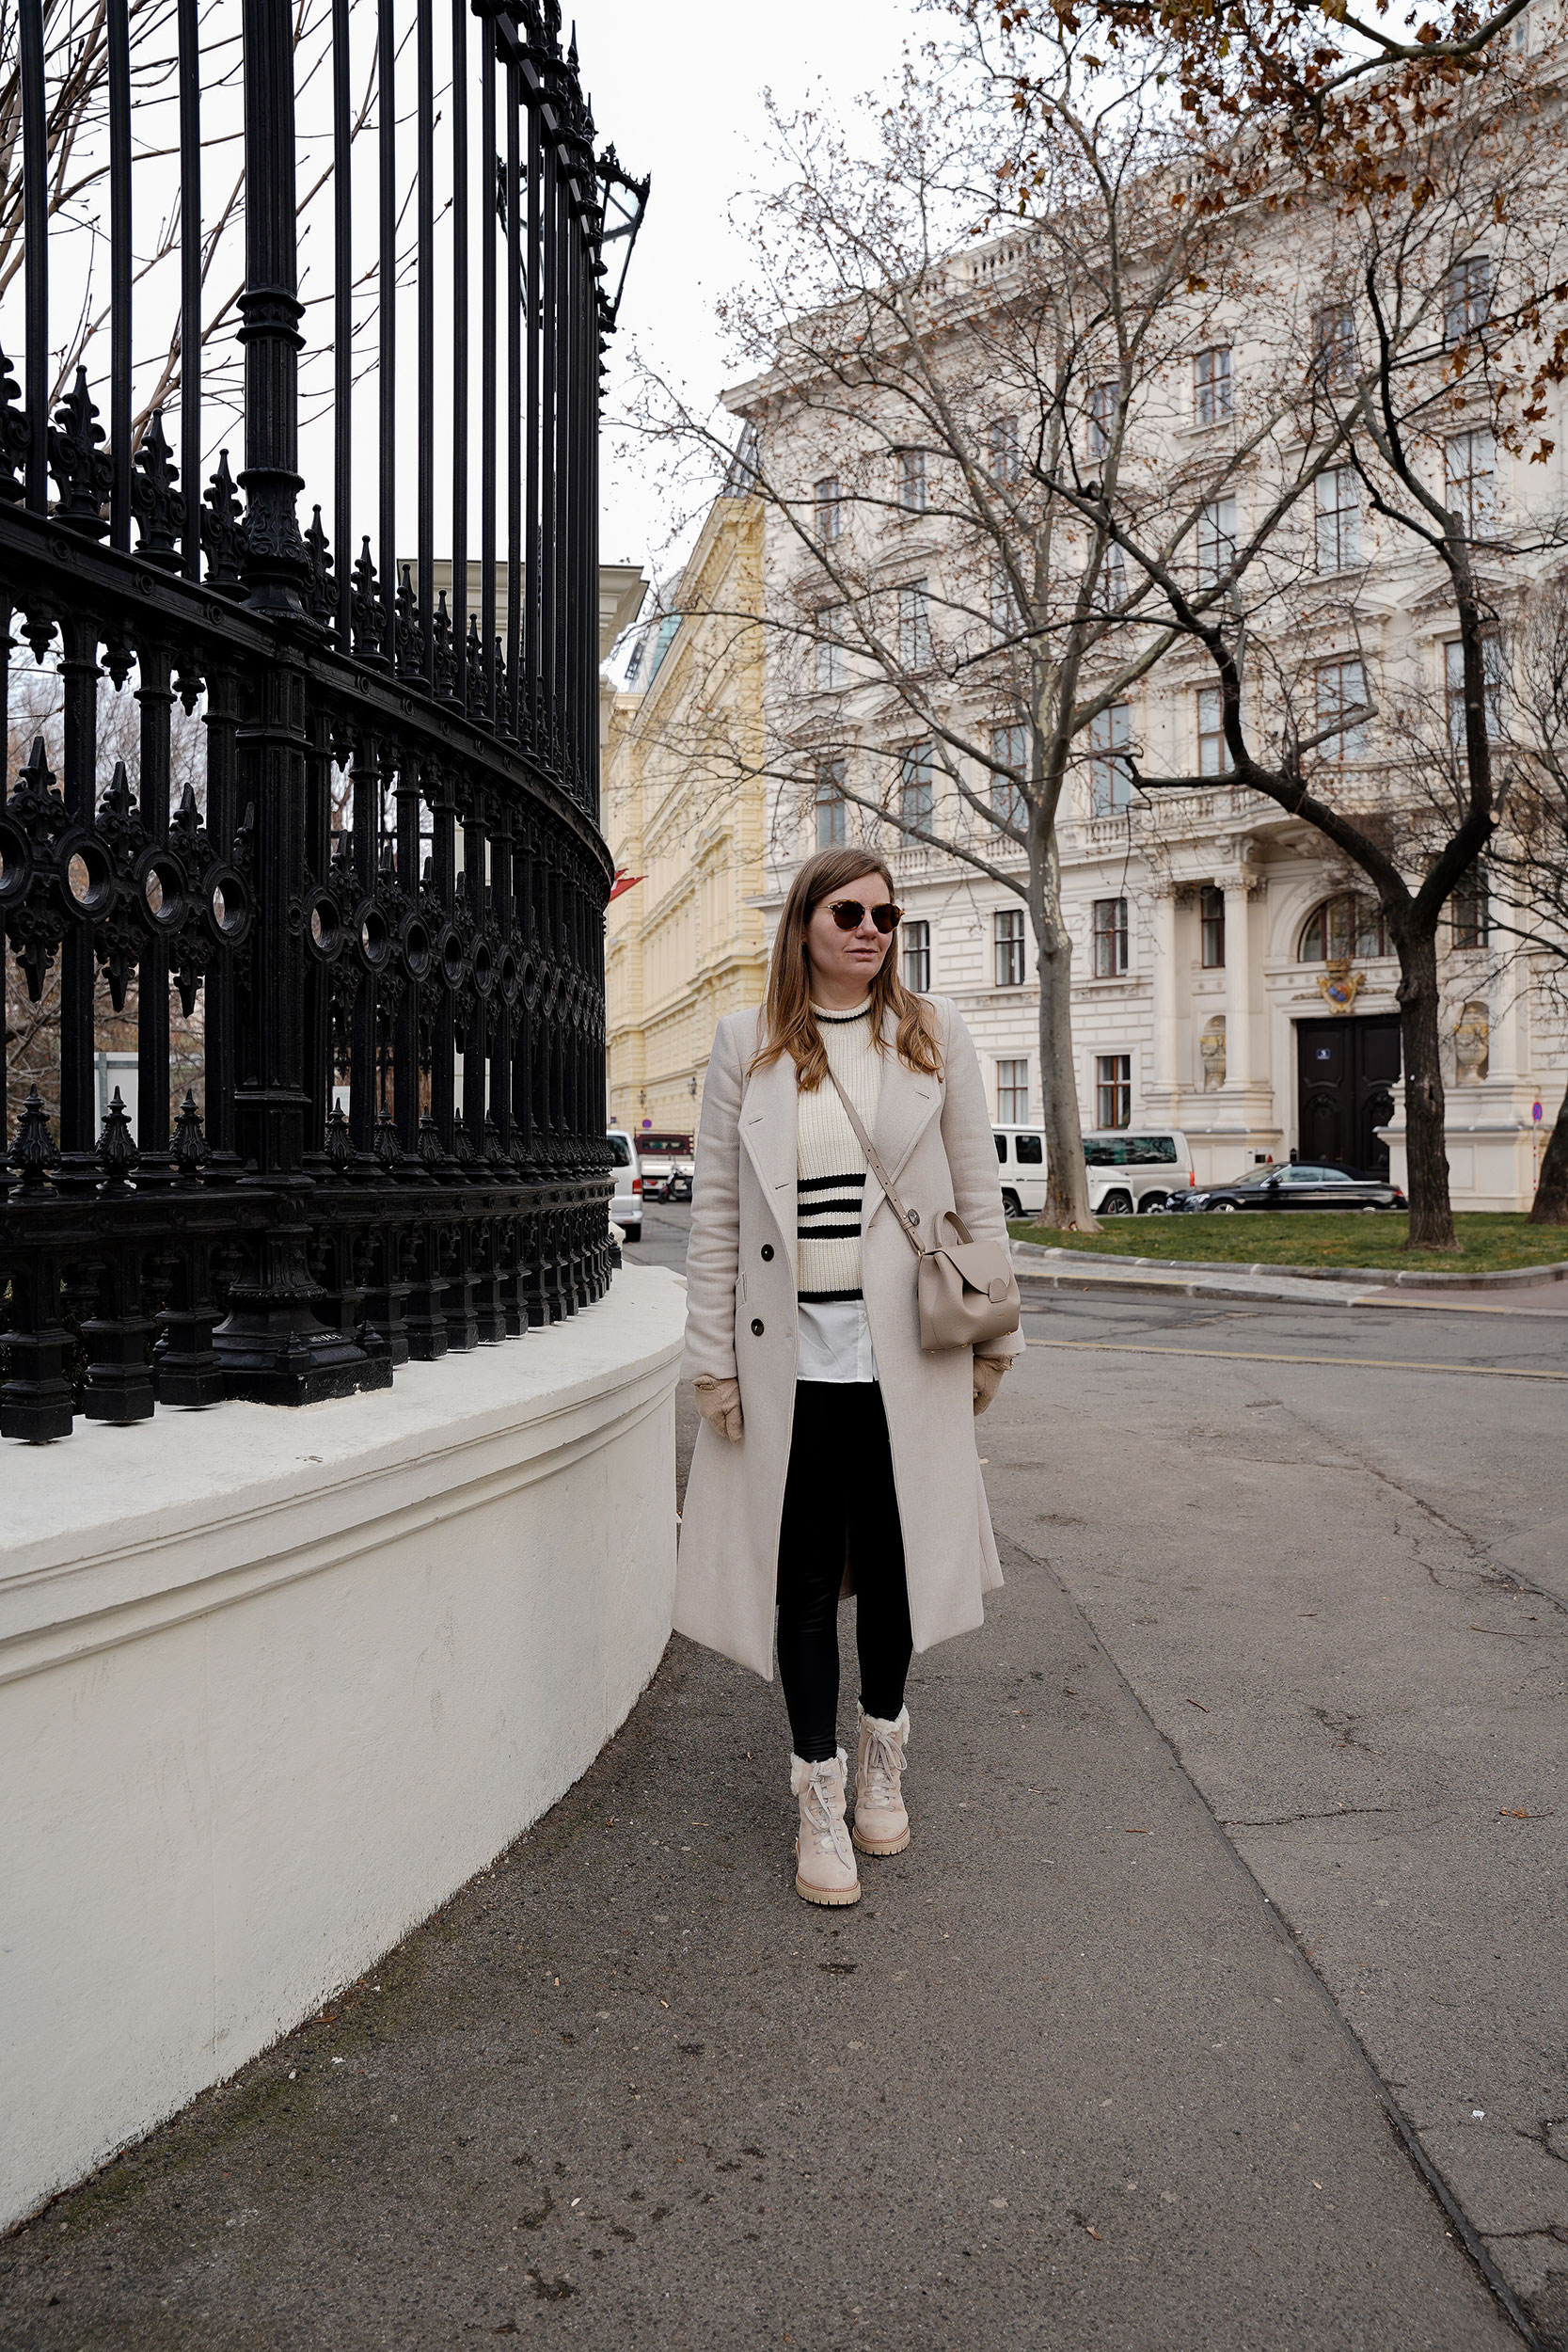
(1343, 927)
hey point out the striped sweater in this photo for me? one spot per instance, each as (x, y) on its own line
(830, 1164)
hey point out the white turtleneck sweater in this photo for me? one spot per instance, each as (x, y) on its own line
(829, 1170)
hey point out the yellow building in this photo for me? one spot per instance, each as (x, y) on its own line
(683, 811)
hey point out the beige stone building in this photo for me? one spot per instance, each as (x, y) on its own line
(1227, 979)
(683, 814)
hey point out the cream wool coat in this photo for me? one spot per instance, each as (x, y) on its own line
(934, 1137)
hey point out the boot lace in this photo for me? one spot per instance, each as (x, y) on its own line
(819, 1817)
(884, 1765)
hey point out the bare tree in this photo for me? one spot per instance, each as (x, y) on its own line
(942, 432)
(1420, 383)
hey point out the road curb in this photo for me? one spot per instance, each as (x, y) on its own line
(1180, 1286)
(1028, 1253)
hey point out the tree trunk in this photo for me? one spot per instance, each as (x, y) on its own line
(1066, 1194)
(1425, 1138)
(1550, 1205)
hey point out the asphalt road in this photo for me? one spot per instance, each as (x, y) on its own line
(1230, 1933)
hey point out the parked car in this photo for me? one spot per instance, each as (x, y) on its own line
(1129, 1170)
(625, 1209)
(666, 1163)
(1297, 1184)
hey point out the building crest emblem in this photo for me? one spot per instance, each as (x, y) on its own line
(1339, 984)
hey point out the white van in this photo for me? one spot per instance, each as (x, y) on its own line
(1131, 1172)
(627, 1207)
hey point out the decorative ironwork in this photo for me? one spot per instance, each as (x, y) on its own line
(223, 531)
(158, 505)
(381, 904)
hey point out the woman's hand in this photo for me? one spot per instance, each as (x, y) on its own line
(719, 1403)
(988, 1379)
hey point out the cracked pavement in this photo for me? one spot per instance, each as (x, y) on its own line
(1237, 1798)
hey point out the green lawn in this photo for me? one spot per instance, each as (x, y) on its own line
(1285, 1237)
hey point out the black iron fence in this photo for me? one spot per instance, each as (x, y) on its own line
(381, 902)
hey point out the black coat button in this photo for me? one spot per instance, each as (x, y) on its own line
(768, 1251)
(756, 1326)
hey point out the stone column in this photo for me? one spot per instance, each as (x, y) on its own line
(1161, 1089)
(1238, 887)
(1245, 1106)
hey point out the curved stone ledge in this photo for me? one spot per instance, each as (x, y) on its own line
(273, 1684)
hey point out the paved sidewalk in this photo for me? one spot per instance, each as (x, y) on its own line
(1059, 2081)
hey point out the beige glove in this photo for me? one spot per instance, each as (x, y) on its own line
(988, 1379)
(719, 1403)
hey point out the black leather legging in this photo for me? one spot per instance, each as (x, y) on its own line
(839, 1491)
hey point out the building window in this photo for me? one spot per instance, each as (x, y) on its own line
(662, 642)
(915, 942)
(1338, 519)
(1213, 759)
(1454, 687)
(1112, 1091)
(1109, 782)
(830, 507)
(1348, 925)
(1210, 927)
(1342, 691)
(1110, 591)
(1110, 938)
(1009, 750)
(1467, 298)
(1470, 910)
(912, 480)
(832, 809)
(916, 792)
(831, 663)
(914, 625)
(1007, 941)
(1012, 1093)
(1002, 623)
(1334, 344)
(1005, 463)
(1216, 541)
(1470, 479)
(1102, 418)
(1211, 385)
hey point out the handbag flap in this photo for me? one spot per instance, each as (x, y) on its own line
(979, 1266)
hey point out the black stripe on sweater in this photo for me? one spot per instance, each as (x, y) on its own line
(844, 1183)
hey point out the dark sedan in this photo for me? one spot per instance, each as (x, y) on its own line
(1299, 1185)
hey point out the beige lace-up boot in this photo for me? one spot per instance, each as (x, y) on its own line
(825, 1868)
(881, 1823)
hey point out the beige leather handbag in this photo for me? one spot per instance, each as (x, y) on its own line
(967, 1290)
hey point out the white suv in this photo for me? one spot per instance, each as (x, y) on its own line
(1129, 1172)
(627, 1207)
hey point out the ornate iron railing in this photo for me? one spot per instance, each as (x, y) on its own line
(395, 859)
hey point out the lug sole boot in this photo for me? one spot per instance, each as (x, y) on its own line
(881, 1822)
(825, 1868)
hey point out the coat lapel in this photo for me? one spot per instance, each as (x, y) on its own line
(908, 1100)
(767, 1132)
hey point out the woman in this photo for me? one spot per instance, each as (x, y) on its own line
(834, 1453)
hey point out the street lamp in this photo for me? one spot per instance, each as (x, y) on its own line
(626, 200)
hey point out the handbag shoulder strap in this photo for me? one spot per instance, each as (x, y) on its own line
(873, 1161)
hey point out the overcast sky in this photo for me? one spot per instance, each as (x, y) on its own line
(677, 85)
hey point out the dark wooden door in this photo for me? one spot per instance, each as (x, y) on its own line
(1346, 1070)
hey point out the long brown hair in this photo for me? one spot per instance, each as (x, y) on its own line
(789, 1026)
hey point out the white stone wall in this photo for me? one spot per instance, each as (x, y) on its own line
(273, 1684)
